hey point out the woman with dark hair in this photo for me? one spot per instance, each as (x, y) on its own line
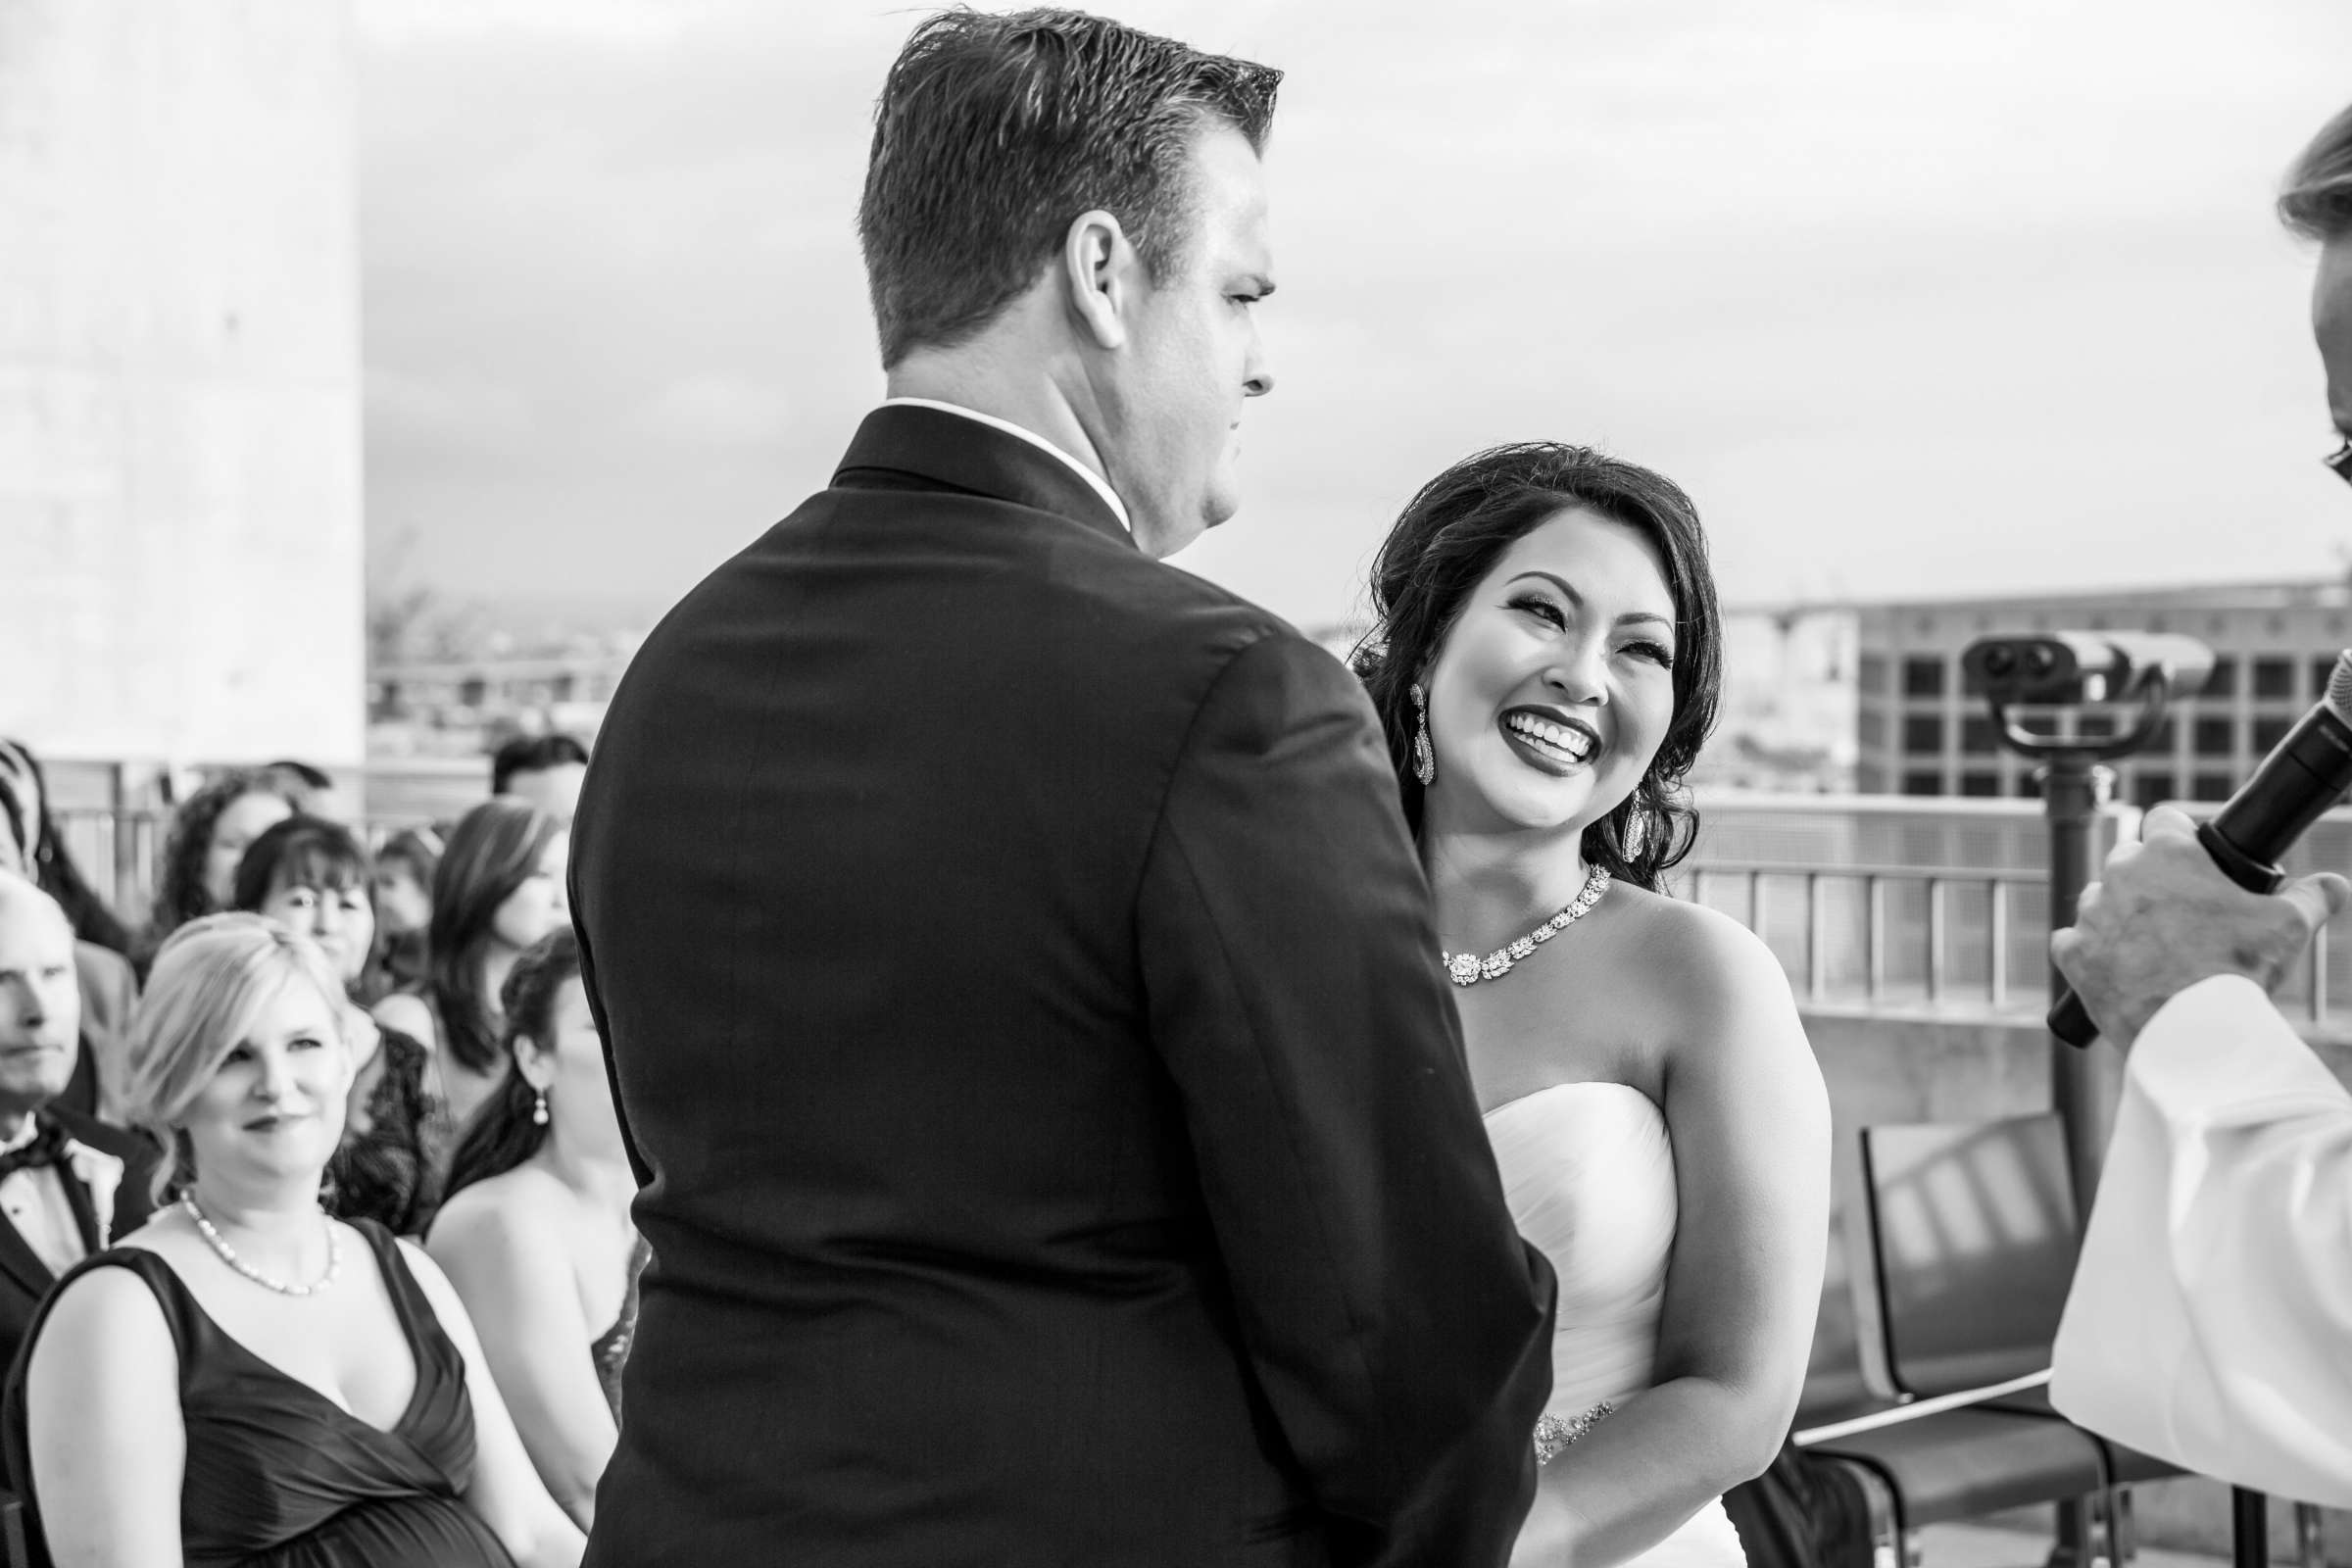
(497, 890)
(208, 838)
(404, 907)
(1546, 664)
(49, 863)
(312, 877)
(536, 1234)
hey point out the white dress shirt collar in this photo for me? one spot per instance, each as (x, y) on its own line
(27, 1131)
(1111, 497)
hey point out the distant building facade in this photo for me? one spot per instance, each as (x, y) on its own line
(1919, 730)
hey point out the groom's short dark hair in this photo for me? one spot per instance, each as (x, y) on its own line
(2317, 202)
(993, 132)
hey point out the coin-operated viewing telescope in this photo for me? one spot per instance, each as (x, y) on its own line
(2076, 668)
(2082, 670)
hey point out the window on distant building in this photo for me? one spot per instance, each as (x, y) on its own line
(2161, 743)
(1979, 736)
(1976, 781)
(1923, 783)
(1922, 734)
(2154, 788)
(2268, 732)
(1870, 779)
(1923, 676)
(1871, 725)
(2215, 737)
(1869, 675)
(2223, 682)
(2027, 786)
(2274, 677)
(2212, 787)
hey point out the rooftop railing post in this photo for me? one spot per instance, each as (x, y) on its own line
(1817, 940)
(2084, 1083)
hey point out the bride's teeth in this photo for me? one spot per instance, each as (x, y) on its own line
(1556, 736)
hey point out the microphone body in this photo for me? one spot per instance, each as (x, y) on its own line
(2304, 775)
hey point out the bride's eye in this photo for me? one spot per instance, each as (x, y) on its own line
(1538, 606)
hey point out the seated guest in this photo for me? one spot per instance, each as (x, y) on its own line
(544, 770)
(312, 877)
(51, 863)
(102, 975)
(536, 1235)
(208, 837)
(404, 907)
(244, 1379)
(67, 1183)
(499, 889)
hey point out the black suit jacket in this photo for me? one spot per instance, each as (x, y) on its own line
(23, 1278)
(1026, 1022)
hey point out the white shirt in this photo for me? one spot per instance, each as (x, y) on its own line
(2210, 1321)
(35, 1202)
(1110, 496)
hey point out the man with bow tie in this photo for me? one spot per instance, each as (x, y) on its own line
(69, 1185)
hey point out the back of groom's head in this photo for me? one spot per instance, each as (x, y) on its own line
(993, 132)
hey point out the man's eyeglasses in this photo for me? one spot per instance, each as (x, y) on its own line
(2340, 459)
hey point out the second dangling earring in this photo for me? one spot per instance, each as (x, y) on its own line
(1425, 756)
(539, 1107)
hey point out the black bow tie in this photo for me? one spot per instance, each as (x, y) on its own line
(48, 1148)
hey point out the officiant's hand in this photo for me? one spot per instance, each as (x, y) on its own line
(2162, 918)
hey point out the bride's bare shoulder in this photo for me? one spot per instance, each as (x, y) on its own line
(1673, 948)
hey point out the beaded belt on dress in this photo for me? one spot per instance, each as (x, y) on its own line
(1553, 1432)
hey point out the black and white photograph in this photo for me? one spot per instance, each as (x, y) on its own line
(1202, 784)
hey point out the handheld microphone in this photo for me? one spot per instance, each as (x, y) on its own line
(2304, 775)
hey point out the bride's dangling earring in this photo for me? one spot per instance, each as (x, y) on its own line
(1637, 831)
(1425, 759)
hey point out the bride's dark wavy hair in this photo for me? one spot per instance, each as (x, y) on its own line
(1448, 538)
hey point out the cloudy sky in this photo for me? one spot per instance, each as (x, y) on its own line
(1916, 296)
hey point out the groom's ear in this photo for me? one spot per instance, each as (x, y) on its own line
(1103, 277)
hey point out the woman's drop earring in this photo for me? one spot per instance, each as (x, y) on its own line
(1425, 758)
(539, 1109)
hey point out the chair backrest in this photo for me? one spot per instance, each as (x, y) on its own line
(1973, 1237)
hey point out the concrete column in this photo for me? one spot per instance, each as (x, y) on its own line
(180, 552)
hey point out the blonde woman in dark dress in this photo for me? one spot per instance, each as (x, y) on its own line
(243, 1379)
(535, 1233)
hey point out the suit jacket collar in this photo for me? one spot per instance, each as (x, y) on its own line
(948, 449)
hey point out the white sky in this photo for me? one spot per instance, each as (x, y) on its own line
(1915, 296)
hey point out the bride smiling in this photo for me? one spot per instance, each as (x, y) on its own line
(1547, 665)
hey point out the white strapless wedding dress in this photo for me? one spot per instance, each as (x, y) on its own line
(1589, 1172)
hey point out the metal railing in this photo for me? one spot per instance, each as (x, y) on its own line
(1870, 902)
(1881, 936)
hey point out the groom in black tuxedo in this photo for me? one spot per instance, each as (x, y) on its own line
(69, 1184)
(1056, 1141)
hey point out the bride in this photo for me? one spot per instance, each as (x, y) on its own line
(1545, 665)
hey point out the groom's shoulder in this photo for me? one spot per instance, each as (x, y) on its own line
(1178, 622)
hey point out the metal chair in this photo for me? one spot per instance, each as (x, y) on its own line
(1973, 1240)
(1960, 1455)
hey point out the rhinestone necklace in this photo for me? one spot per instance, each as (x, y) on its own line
(1468, 968)
(228, 1255)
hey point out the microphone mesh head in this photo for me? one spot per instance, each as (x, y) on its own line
(2340, 686)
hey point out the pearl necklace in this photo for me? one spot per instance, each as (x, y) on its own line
(1468, 968)
(228, 1255)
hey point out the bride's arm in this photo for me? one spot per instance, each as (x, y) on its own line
(1750, 1126)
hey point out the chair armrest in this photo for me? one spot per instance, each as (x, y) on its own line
(1917, 1408)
